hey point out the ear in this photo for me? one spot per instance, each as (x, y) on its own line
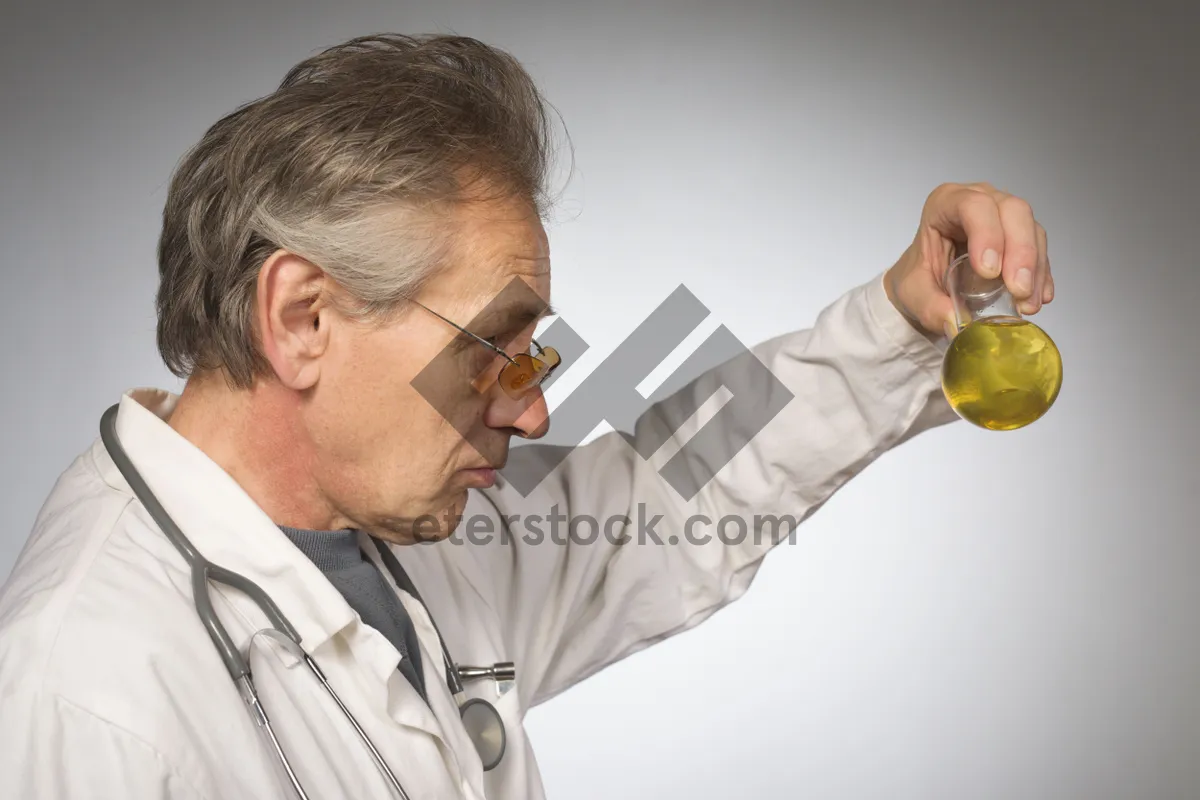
(292, 317)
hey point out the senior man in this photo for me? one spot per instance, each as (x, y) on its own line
(352, 269)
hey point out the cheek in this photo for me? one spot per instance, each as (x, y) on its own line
(383, 431)
(363, 412)
(396, 427)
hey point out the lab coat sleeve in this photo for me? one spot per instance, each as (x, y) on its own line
(69, 753)
(862, 380)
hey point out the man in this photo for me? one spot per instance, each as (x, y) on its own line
(351, 269)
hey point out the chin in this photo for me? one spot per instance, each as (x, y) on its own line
(439, 522)
(451, 518)
(428, 521)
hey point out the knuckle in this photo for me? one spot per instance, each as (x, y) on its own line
(942, 190)
(977, 203)
(1017, 205)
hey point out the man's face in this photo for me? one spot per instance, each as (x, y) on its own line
(387, 452)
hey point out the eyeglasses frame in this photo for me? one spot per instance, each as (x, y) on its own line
(546, 374)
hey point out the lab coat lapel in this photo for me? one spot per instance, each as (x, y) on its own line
(231, 531)
(441, 701)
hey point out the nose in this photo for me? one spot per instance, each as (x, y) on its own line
(528, 415)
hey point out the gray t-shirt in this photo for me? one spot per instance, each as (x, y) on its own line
(337, 555)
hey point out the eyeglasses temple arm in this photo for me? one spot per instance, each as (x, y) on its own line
(482, 341)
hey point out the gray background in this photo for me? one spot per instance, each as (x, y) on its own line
(976, 616)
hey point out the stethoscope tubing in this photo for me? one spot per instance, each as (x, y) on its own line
(203, 571)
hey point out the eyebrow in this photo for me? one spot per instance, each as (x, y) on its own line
(511, 318)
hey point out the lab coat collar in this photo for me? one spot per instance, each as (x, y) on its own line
(231, 531)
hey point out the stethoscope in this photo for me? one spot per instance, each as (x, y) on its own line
(480, 718)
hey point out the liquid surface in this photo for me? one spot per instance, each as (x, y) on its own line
(1001, 373)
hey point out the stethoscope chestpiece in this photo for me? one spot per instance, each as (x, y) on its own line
(486, 730)
(480, 718)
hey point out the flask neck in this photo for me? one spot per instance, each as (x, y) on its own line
(976, 297)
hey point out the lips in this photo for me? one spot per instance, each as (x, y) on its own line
(490, 463)
(480, 476)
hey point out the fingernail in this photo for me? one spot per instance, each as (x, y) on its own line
(950, 328)
(1024, 281)
(991, 263)
(1027, 307)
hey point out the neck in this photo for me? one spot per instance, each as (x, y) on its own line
(257, 436)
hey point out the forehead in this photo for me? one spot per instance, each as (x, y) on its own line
(498, 265)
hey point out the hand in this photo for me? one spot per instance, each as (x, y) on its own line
(1002, 238)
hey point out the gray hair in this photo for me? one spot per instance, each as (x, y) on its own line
(346, 165)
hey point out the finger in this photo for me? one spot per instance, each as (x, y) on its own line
(1021, 253)
(966, 212)
(1047, 278)
(1033, 304)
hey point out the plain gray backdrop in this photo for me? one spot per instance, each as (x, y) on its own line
(978, 615)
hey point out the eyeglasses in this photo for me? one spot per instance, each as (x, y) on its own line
(524, 371)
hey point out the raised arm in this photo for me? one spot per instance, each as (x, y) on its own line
(646, 561)
(605, 556)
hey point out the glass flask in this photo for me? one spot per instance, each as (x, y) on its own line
(1000, 371)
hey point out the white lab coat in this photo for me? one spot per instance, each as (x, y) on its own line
(110, 687)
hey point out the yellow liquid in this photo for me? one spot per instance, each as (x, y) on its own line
(1001, 373)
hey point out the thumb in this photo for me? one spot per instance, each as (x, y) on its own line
(932, 306)
(941, 315)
